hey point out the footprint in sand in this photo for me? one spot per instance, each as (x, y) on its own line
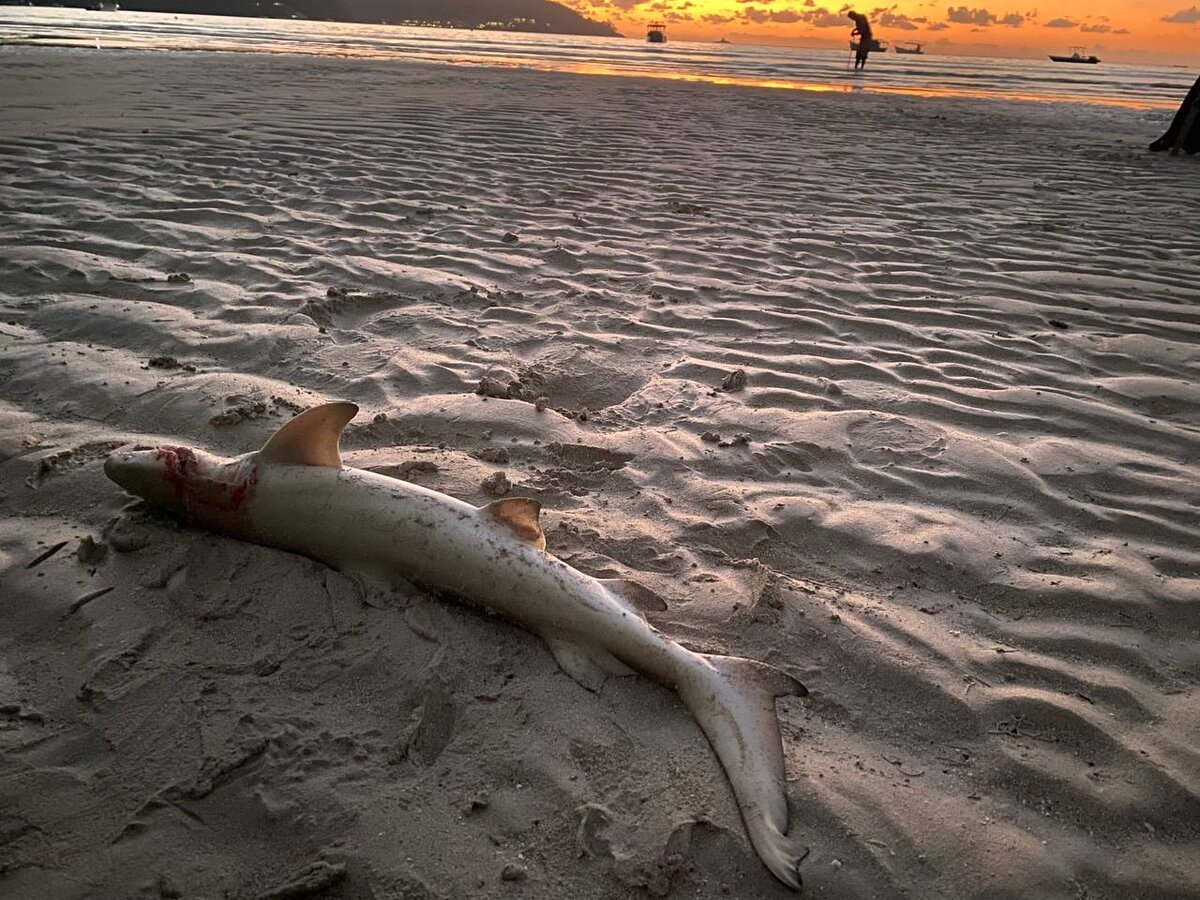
(878, 440)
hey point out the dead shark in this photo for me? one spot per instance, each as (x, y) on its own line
(295, 494)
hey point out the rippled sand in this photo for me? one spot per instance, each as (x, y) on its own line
(957, 494)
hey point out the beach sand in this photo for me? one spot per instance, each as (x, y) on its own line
(957, 494)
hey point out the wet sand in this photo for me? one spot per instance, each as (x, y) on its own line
(956, 493)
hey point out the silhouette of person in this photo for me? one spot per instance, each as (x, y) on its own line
(862, 29)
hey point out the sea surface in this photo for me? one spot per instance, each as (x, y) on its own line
(796, 68)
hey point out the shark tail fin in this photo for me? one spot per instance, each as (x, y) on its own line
(733, 699)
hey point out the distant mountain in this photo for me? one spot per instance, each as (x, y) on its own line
(507, 15)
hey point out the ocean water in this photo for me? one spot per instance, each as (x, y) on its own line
(1137, 86)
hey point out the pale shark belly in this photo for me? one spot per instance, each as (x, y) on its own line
(381, 527)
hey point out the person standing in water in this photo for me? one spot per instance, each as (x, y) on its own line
(862, 30)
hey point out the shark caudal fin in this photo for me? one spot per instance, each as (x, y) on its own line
(733, 699)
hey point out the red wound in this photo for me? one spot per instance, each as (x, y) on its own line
(199, 495)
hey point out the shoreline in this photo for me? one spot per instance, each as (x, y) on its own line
(593, 71)
(768, 66)
(1079, 102)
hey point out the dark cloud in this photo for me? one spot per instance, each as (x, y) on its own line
(963, 16)
(820, 17)
(1012, 20)
(825, 19)
(1061, 23)
(889, 18)
(1189, 16)
(784, 16)
(1098, 28)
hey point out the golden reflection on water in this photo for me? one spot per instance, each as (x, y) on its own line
(594, 68)
(818, 87)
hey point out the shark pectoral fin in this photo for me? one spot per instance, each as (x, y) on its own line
(311, 439)
(520, 516)
(591, 668)
(635, 596)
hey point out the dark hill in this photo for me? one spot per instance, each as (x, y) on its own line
(512, 15)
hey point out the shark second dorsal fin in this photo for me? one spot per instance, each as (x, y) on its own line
(311, 439)
(520, 516)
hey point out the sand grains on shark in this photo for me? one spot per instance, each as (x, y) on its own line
(295, 494)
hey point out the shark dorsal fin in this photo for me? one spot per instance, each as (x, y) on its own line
(311, 439)
(520, 516)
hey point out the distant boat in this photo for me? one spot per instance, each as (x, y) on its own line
(1077, 56)
(724, 41)
(877, 46)
(657, 33)
(914, 48)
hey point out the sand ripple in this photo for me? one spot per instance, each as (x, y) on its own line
(963, 506)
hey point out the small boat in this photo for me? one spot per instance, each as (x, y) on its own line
(724, 41)
(877, 46)
(1077, 56)
(914, 48)
(656, 33)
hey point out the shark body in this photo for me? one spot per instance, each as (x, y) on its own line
(294, 494)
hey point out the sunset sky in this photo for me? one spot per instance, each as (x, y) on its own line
(1165, 31)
